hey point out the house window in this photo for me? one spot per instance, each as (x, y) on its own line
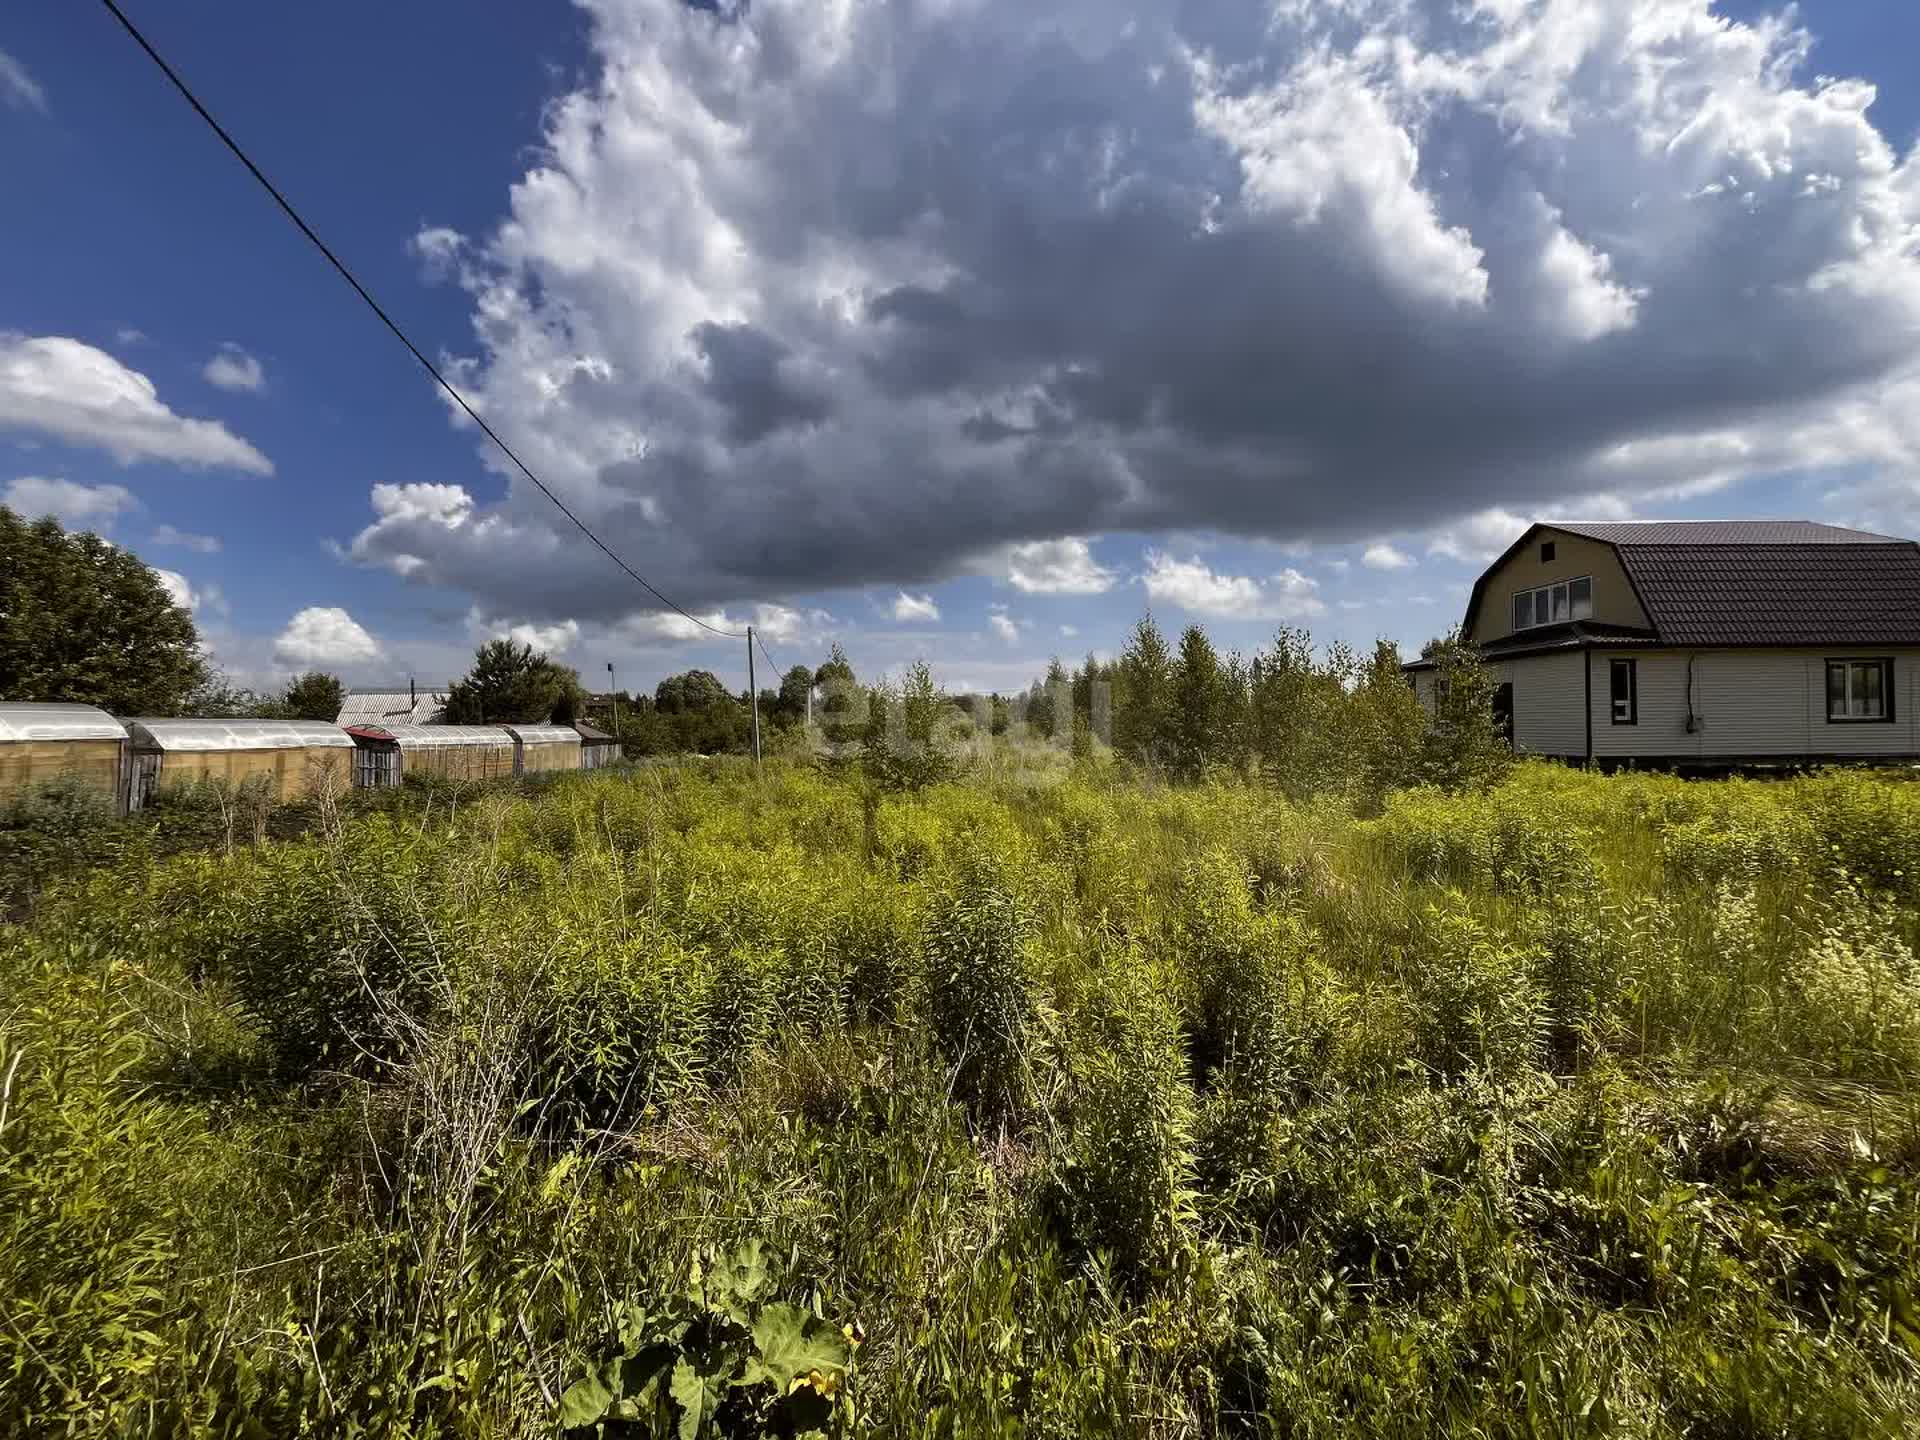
(1859, 690)
(1626, 692)
(1553, 604)
(1546, 550)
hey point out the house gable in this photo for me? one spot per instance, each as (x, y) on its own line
(1615, 602)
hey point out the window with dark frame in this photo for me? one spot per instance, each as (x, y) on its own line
(1859, 691)
(1626, 691)
(1546, 550)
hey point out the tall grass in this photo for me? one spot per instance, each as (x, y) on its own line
(1047, 1103)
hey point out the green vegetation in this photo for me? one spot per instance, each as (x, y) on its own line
(513, 684)
(315, 695)
(87, 622)
(1050, 1101)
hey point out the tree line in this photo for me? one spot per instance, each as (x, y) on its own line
(84, 620)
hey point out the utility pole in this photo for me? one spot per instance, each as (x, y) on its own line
(753, 696)
(613, 699)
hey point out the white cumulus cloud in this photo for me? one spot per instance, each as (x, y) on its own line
(1057, 567)
(1301, 271)
(232, 368)
(915, 609)
(325, 635)
(551, 638)
(54, 386)
(178, 588)
(186, 540)
(1382, 556)
(77, 506)
(1005, 626)
(1193, 586)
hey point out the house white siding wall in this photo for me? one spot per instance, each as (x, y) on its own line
(1752, 702)
(1549, 703)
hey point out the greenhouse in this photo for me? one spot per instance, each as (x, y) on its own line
(388, 754)
(295, 758)
(42, 743)
(545, 747)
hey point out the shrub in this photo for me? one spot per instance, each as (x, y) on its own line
(1479, 1008)
(1127, 1177)
(981, 1000)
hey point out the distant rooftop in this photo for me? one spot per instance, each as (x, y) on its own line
(376, 707)
(1720, 532)
(1752, 582)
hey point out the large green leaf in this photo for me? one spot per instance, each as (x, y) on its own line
(736, 1281)
(792, 1344)
(698, 1395)
(585, 1402)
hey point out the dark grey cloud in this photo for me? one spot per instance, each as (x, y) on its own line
(801, 298)
(748, 376)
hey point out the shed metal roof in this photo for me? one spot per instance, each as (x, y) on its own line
(593, 735)
(377, 707)
(544, 734)
(430, 737)
(184, 736)
(38, 720)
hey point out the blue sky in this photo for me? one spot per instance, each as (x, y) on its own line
(963, 331)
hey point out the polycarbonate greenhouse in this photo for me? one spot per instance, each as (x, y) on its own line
(390, 753)
(298, 758)
(44, 743)
(545, 747)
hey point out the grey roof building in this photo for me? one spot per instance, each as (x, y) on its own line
(1713, 640)
(392, 707)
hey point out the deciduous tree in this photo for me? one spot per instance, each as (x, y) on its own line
(85, 621)
(315, 695)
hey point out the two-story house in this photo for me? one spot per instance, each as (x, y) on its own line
(1702, 642)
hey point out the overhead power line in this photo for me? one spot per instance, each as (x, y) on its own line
(763, 650)
(387, 320)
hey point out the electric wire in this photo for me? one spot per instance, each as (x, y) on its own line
(387, 320)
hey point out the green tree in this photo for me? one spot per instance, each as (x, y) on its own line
(841, 699)
(88, 622)
(1050, 702)
(1197, 709)
(694, 690)
(1296, 714)
(1142, 695)
(1388, 730)
(905, 745)
(795, 686)
(218, 698)
(1465, 748)
(315, 695)
(511, 684)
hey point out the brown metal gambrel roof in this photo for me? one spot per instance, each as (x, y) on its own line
(1757, 582)
(1721, 532)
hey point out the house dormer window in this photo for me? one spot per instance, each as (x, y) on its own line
(1553, 604)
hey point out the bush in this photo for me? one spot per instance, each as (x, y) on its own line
(1126, 1181)
(1479, 1008)
(980, 998)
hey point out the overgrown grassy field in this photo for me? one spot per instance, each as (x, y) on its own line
(682, 1102)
